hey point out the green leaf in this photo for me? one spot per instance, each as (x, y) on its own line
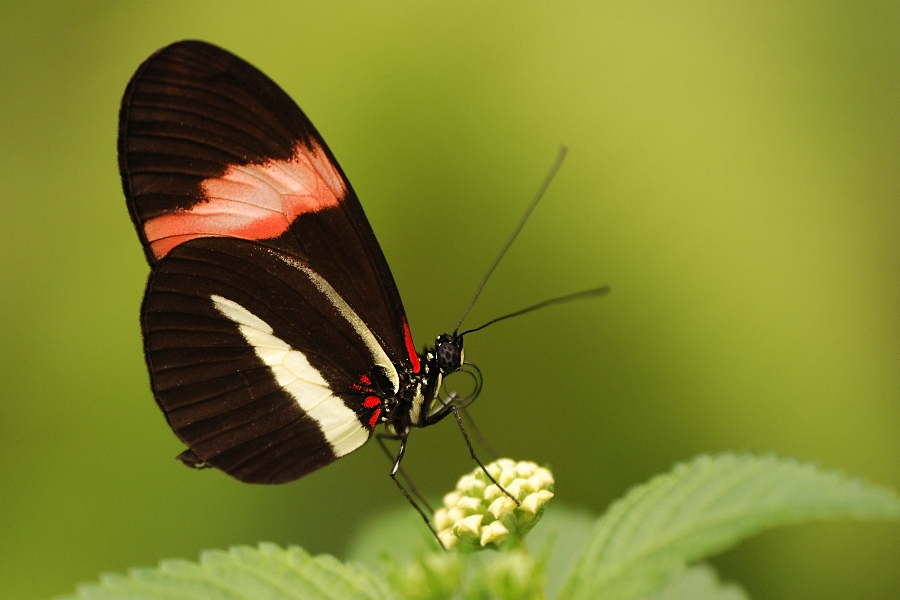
(560, 536)
(398, 533)
(243, 573)
(699, 583)
(401, 535)
(707, 506)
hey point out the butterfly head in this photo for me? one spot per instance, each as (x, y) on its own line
(449, 352)
(448, 357)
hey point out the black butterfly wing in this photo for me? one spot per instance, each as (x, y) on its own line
(251, 226)
(258, 367)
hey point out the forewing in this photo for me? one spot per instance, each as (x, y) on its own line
(209, 147)
(259, 369)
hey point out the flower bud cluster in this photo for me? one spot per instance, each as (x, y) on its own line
(478, 513)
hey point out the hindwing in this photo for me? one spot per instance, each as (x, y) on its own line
(256, 368)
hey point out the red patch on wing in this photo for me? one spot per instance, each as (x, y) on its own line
(371, 401)
(253, 202)
(365, 386)
(411, 348)
(373, 420)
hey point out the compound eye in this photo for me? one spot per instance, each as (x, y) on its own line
(449, 356)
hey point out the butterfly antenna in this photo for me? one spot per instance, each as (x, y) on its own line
(599, 291)
(540, 194)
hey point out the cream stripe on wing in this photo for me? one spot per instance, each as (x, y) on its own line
(300, 379)
(378, 354)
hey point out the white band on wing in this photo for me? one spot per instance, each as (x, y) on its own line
(301, 380)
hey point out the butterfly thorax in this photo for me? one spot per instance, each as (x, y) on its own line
(417, 404)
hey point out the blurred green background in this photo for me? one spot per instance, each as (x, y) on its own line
(733, 175)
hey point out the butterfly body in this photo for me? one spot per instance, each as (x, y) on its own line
(274, 334)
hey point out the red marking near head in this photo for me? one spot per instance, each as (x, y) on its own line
(253, 202)
(411, 348)
(371, 401)
(373, 420)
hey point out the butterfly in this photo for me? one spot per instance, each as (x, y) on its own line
(274, 334)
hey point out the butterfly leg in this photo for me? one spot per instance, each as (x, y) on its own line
(472, 452)
(409, 482)
(478, 437)
(402, 489)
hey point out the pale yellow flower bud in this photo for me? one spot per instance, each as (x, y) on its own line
(501, 505)
(448, 538)
(493, 532)
(534, 502)
(470, 525)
